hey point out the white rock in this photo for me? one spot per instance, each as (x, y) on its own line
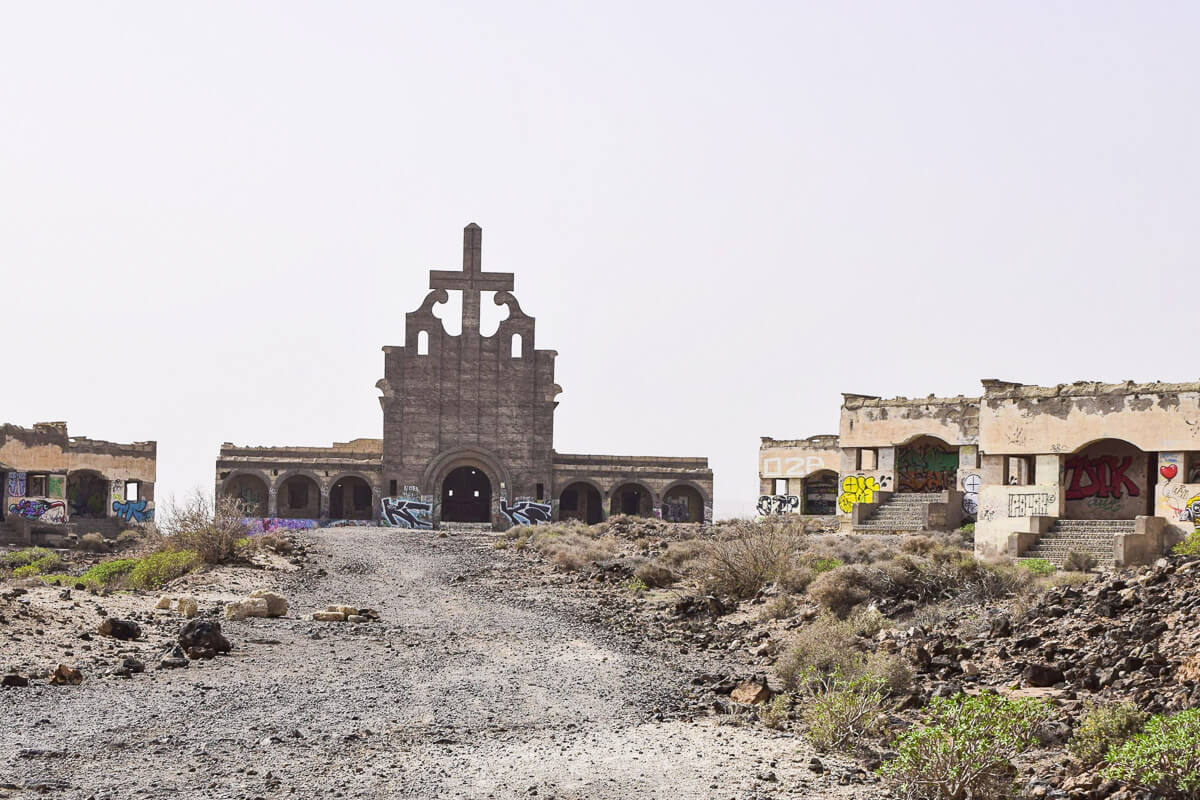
(277, 605)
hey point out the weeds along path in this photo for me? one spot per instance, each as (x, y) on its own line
(456, 692)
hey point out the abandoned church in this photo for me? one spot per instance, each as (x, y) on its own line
(1108, 469)
(468, 438)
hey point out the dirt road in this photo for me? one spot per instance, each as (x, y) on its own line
(463, 689)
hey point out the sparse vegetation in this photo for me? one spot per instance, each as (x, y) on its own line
(208, 528)
(33, 561)
(159, 568)
(965, 748)
(1163, 759)
(781, 606)
(1038, 566)
(1189, 546)
(839, 710)
(654, 575)
(1104, 727)
(93, 543)
(1079, 561)
(742, 563)
(824, 646)
(776, 713)
(635, 585)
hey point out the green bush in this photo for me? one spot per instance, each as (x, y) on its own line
(1189, 546)
(820, 565)
(635, 585)
(108, 573)
(841, 709)
(23, 558)
(1038, 566)
(775, 713)
(157, 569)
(1163, 759)
(46, 563)
(968, 528)
(1104, 727)
(966, 747)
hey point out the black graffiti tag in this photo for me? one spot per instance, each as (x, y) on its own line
(402, 513)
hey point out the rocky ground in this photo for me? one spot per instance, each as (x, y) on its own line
(488, 674)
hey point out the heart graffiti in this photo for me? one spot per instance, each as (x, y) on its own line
(1169, 471)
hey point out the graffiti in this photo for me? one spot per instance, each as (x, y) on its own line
(54, 511)
(1106, 504)
(928, 468)
(57, 486)
(133, 512)
(820, 496)
(1191, 512)
(16, 484)
(708, 515)
(1105, 474)
(778, 504)
(348, 523)
(857, 489)
(117, 494)
(1169, 471)
(970, 503)
(792, 466)
(1034, 504)
(408, 512)
(674, 512)
(528, 512)
(255, 525)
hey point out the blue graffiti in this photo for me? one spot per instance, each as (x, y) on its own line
(526, 512)
(134, 511)
(400, 512)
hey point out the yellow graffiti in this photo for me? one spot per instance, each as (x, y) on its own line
(857, 489)
(1191, 512)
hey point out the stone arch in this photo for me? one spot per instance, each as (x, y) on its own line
(352, 496)
(820, 493)
(242, 485)
(631, 497)
(582, 500)
(926, 464)
(298, 495)
(440, 466)
(683, 501)
(1110, 479)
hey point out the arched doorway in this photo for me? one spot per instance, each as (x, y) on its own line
(251, 490)
(926, 464)
(1109, 479)
(683, 504)
(351, 498)
(87, 494)
(820, 493)
(632, 499)
(299, 498)
(581, 501)
(467, 496)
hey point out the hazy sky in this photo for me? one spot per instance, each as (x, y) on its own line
(213, 215)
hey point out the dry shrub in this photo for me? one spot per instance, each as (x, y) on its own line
(209, 528)
(917, 545)
(274, 542)
(797, 579)
(654, 575)
(781, 607)
(753, 556)
(687, 556)
(570, 551)
(843, 588)
(824, 646)
(93, 543)
(894, 671)
(1079, 561)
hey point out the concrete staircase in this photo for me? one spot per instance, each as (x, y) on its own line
(466, 527)
(1095, 536)
(903, 511)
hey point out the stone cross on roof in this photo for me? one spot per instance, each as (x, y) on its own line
(472, 280)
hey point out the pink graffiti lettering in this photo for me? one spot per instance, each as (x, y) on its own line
(1106, 477)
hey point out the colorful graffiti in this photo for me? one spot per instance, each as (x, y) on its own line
(408, 512)
(16, 484)
(772, 504)
(256, 525)
(1191, 512)
(54, 511)
(926, 468)
(970, 502)
(526, 511)
(1105, 474)
(117, 493)
(57, 486)
(133, 511)
(857, 489)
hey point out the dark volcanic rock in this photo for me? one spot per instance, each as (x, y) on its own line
(204, 637)
(119, 628)
(1042, 675)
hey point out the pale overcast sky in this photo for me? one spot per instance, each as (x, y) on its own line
(213, 215)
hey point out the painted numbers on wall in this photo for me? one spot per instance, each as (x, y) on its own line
(770, 504)
(1105, 477)
(857, 489)
(408, 512)
(133, 511)
(54, 511)
(526, 511)
(16, 484)
(792, 466)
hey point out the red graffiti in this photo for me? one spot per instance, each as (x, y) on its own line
(1169, 471)
(1105, 477)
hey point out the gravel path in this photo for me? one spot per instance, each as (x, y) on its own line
(456, 692)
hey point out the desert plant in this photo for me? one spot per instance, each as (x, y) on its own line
(1038, 566)
(1079, 561)
(21, 558)
(968, 528)
(157, 569)
(1104, 727)
(894, 671)
(820, 565)
(49, 562)
(634, 585)
(780, 607)
(93, 542)
(654, 575)
(839, 709)
(1189, 546)
(822, 647)
(686, 556)
(742, 564)
(775, 714)
(208, 528)
(965, 748)
(842, 588)
(568, 547)
(108, 573)
(1163, 759)
(867, 622)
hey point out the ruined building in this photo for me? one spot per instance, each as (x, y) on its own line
(468, 437)
(55, 485)
(1110, 469)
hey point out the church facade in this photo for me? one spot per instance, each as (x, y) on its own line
(468, 438)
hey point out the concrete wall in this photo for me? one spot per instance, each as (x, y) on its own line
(1107, 480)
(1004, 510)
(876, 422)
(665, 481)
(808, 466)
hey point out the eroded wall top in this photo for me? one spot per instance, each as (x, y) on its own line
(877, 422)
